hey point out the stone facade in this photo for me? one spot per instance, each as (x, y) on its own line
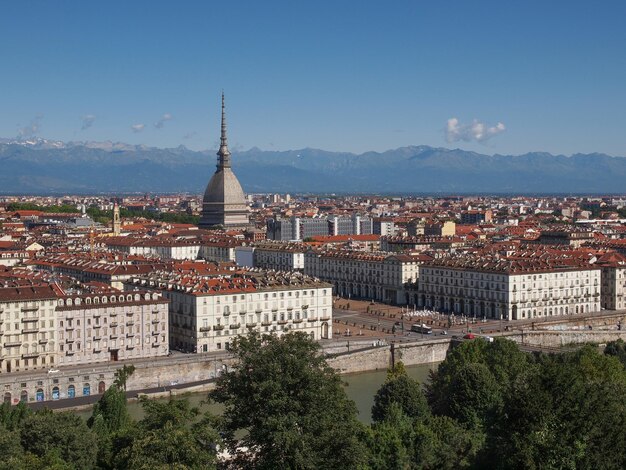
(377, 276)
(101, 328)
(206, 314)
(28, 328)
(512, 292)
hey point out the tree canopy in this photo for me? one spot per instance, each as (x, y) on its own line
(285, 407)
(488, 405)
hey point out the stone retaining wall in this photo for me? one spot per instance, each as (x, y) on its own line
(559, 338)
(376, 358)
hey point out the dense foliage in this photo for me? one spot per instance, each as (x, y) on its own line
(492, 406)
(29, 206)
(286, 408)
(488, 405)
(170, 435)
(105, 217)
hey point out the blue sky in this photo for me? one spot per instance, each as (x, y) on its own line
(338, 75)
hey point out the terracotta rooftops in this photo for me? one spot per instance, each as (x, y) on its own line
(23, 293)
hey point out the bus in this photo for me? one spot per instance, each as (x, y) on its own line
(425, 330)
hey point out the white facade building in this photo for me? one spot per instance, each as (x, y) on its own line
(514, 289)
(376, 276)
(206, 314)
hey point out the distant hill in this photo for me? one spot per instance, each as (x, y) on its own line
(41, 166)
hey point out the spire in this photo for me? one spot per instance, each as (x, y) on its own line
(223, 153)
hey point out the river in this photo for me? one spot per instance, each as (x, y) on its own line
(360, 387)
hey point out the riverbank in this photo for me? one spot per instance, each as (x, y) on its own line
(360, 387)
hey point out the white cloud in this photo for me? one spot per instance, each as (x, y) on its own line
(161, 122)
(88, 120)
(476, 131)
(137, 127)
(32, 129)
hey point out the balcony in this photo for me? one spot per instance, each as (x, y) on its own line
(155, 345)
(130, 323)
(30, 309)
(30, 330)
(235, 326)
(155, 333)
(43, 341)
(298, 320)
(130, 347)
(266, 323)
(205, 328)
(324, 318)
(113, 324)
(312, 319)
(258, 310)
(242, 312)
(155, 310)
(113, 314)
(70, 340)
(12, 344)
(129, 314)
(218, 327)
(156, 322)
(130, 335)
(250, 325)
(69, 353)
(97, 338)
(97, 350)
(97, 314)
(29, 319)
(113, 336)
(30, 355)
(226, 314)
(282, 322)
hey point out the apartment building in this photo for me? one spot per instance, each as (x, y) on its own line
(207, 313)
(43, 327)
(273, 255)
(613, 266)
(370, 275)
(162, 247)
(524, 285)
(86, 269)
(95, 328)
(28, 328)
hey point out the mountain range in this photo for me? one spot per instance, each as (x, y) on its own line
(40, 166)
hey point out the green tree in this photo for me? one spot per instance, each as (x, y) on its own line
(617, 349)
(109, 418)
(122, 375)
(288, 406)
(10, 446)
(391, 441)
(474, 396)
(65, 434)
(169, 436)
(567, 413)
(502, 360)
(400, 389)
(11, 417)
(440, 442)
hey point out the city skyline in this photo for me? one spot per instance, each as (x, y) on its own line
(486, 77)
